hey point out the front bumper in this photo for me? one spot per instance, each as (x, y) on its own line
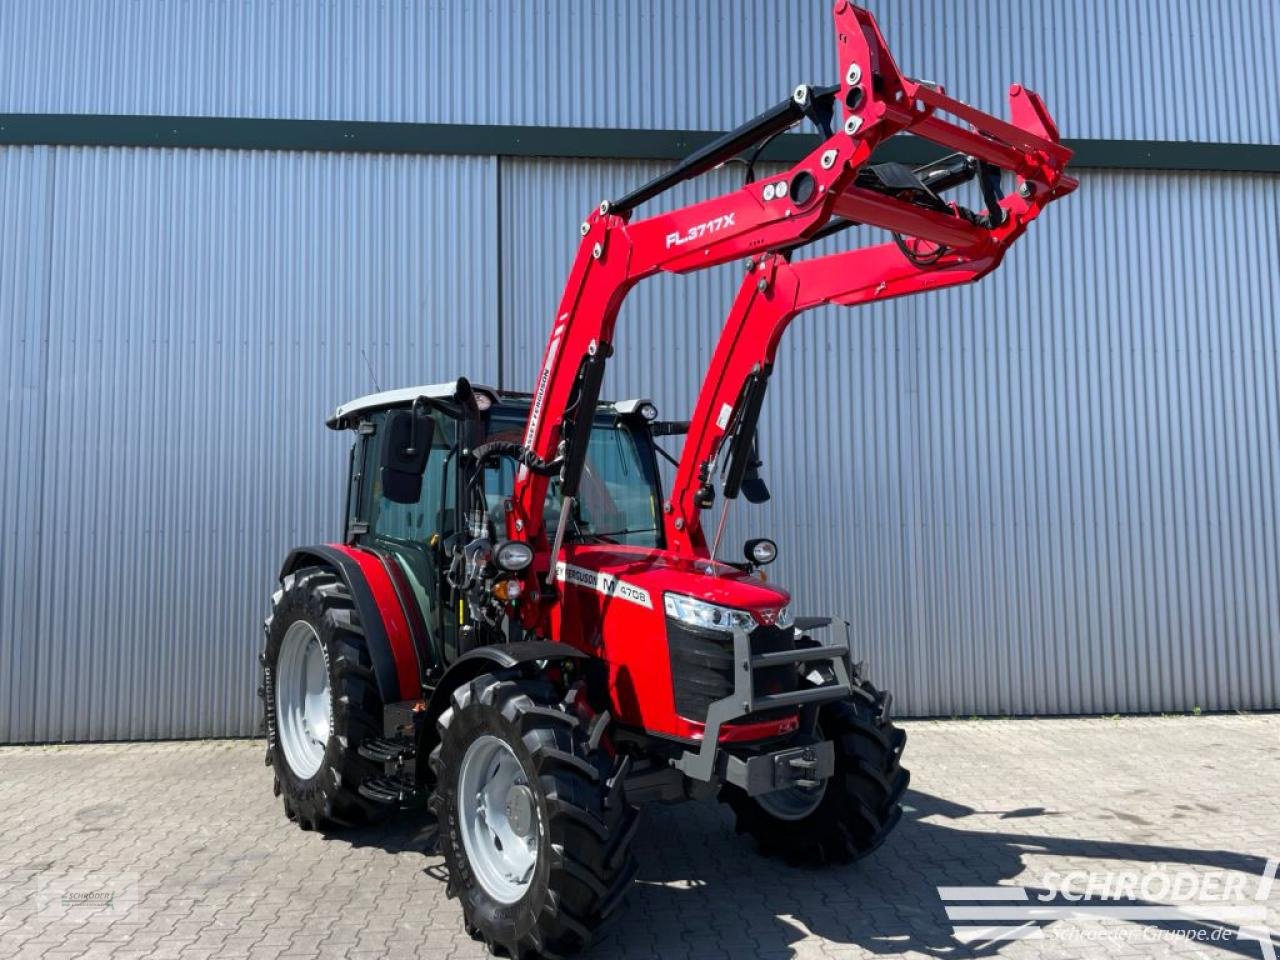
(771, 771)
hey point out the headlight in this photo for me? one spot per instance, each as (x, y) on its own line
(708, 616)
(761, 551)
(513, 556)
(786, 619)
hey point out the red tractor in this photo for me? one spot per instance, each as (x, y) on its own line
(522, 628)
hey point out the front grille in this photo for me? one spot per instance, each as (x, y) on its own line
(781, 679)
(702, 666)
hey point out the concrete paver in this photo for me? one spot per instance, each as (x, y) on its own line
(190, 856)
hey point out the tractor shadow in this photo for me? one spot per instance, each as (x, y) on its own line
(702, 890)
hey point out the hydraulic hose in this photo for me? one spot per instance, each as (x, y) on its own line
(520, 454)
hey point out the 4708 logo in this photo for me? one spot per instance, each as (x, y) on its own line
(714, 225)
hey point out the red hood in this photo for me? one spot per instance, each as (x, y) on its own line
(658, 572)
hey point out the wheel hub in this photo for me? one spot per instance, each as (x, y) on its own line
(520, 810)
(498, 812)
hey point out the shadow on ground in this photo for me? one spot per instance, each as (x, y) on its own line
(704, 890)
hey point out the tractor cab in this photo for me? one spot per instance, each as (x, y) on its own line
(413, 496)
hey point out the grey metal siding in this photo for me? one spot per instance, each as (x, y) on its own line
(186, 321)
(24, 293)
(1056, 491)
(1150, 69)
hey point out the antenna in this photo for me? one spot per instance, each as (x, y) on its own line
(372, 376)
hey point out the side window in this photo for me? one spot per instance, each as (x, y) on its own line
(363, 470)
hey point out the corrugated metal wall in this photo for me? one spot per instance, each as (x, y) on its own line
(184, 322)
(1054, 492)
(1110, 68)
(25, 230)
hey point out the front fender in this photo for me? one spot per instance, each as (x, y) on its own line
(473, 663)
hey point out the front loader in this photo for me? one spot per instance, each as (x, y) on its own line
(523, 630)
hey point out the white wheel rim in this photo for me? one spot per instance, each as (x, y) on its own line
(792, 803)
(304, 708)
(499, 817)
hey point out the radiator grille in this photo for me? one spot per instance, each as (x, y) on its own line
(702, 666)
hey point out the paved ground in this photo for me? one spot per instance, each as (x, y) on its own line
(200, 862)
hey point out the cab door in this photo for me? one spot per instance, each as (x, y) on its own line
(409, 535)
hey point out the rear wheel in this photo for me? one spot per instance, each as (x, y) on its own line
(320, 699)
(536, 839)
(850, 814)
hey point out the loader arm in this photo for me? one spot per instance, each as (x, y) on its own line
(775, 213)
(774, 291)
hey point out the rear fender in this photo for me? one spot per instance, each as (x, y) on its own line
(386, 627)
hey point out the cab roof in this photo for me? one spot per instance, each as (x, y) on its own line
(347, 415)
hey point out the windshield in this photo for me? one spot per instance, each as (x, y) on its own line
(617, 498)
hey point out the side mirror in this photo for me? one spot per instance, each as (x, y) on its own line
(669, 428)
(404, 454)
(467, 398)
(753, 486)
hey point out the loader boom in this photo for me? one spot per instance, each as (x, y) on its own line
(779, 212)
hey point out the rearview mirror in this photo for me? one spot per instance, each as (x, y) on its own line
(405, 446)
(753, 486)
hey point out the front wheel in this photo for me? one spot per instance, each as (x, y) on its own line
(850, 814)
(536, 842)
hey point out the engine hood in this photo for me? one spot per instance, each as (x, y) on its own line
(655, 572)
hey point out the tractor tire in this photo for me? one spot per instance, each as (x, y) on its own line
(320, 701)
(512, 765)
(855, 809)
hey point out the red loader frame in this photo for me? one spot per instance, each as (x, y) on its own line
(822, 192)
